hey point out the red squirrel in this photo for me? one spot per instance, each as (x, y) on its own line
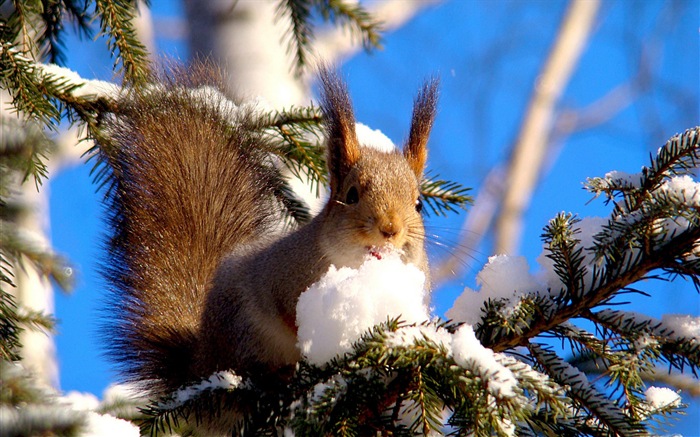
(200, 279)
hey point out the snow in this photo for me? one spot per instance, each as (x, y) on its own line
(468, 351)
(683, 325)
(208, 95)
(97, 425)
(122, 392)
(336, 382)
(104, 425)
(684, 188)
(374, 139)
(87, 88)
(631, 180)
(660, 397)
(687, 192)
(407, 336)
(502, 277)
(672, 326)
(224, 379)
(81, 401)
(346, 302)
(509, 277)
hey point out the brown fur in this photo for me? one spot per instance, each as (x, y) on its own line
(199, 282)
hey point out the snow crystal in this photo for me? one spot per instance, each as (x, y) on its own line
(96, 88)
(346, 302)
(502, 277)
(104, 425)
(660, 397)
(225, 379)
(81, 401)
(673, 326)
(374, 139)
(408, 336)
(320, 389)
(467, 349)
(682, 325)
(122, 392)
(684, 188)
(632, 180)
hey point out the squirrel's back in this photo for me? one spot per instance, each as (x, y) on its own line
(184, 167)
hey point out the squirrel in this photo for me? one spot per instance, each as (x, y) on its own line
(200, 278)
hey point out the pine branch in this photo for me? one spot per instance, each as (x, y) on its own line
(300, 34)
(444, 196)
(17, 248)
(679, 156)
(356, 18)
(565, 251)
(25, 85)
(661, 234)
(9, 328)
(14, 320)
(678, 350)
(116, 22)
(23, 150)
(605, 416)
(296, 134)
(28, 410)
(617, 277)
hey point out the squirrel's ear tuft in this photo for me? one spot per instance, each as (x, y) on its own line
(424, 106)
(343, 147)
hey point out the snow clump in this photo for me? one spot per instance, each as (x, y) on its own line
(335, 311)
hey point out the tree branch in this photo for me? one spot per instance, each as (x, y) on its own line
(531, 143)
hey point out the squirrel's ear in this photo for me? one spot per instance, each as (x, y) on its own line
(424, 106)
(343, 147)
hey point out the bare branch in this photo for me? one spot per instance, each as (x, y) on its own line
(531, 143)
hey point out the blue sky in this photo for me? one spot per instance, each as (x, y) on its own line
(487, 54)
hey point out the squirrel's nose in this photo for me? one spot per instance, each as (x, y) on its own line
(389, 228)
(388, 231)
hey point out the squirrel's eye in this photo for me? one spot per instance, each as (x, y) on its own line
(419, 205)
(352, 197)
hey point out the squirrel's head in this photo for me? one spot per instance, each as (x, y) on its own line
(374, 202)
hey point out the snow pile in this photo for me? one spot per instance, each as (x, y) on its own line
(661, 397)
(373, 138)
(687, 191)
(509, 277)
(98, 425)
(466, 348)
(502, 277)
(615, 177)
(86, 88)
(345, 303)
(684, 188)
(104, 425)
(683, 326)
(408, 336)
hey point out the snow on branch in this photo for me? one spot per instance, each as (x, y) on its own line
(597, 411)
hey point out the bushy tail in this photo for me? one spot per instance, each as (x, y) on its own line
(188, 184)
